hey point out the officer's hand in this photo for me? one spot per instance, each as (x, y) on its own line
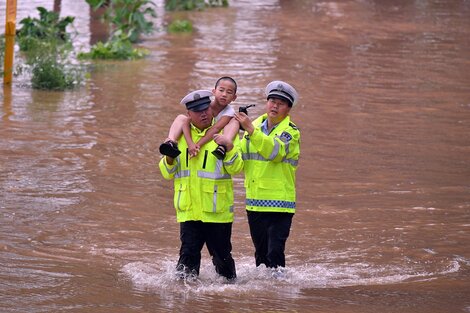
(245, 122)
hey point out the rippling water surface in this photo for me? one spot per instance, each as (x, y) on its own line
(383, 213)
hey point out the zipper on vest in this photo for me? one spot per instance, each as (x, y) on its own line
(214, 200)
(187, 157)
(205, 159)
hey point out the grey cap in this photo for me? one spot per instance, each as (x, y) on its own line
(282, 90)
(198, 100)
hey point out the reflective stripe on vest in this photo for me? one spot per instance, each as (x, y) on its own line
(275, 151)
(271, 203)
(259, 157)
(211, 175)
(170, 171)
(181, 174)
(232, 160)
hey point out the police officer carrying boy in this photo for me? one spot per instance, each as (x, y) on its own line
(203, 194)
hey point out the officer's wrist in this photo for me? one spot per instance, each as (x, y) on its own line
(250, 129)
(169, 160)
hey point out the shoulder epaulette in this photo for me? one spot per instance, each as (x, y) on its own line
(293, 126)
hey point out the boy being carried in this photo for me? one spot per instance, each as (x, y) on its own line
(225, 92)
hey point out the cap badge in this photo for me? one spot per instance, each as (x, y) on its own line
(197, 96)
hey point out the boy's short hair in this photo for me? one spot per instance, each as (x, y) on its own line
(229, 79)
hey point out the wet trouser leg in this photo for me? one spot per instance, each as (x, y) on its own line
(217, 236)
(269, 232)
(218, 241)
(278, 232)
(192, 241)
(259, 236)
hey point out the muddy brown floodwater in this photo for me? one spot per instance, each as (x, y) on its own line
(383, 212)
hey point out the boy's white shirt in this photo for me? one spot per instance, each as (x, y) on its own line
(227, 111)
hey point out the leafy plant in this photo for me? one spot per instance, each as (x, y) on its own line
(51, 74)
(48, 27)
(217, 3)
(189, 5)
(118, 49)
(184, 5)
(128, 20)
(2, 53)
(128, 17)
(44, 48)
(46, 45)
(180, 26)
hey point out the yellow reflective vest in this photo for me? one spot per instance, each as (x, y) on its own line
(270, 165)
(203, 188)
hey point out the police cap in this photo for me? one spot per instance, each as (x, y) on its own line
(198, 100)
(282, 90)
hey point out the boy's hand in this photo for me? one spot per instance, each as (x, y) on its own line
(193, 150)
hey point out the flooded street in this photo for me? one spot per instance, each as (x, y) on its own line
(87, 223)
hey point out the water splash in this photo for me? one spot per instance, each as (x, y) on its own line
(160, 276)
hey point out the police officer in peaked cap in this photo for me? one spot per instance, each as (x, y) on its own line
(203, 194)
(282, 90)
(198, 100)
(271, 149)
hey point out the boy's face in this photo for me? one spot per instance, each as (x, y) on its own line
(224, 93)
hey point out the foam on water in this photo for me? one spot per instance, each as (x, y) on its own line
(161, 275)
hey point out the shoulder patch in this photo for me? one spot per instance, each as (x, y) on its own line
(293, 126)
(285, 137)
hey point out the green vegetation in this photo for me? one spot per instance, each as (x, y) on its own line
(180, 26)
(47, 28)
(185, 26)
(46, 46)
(189, 5)
(117, 48)
(2, 52)
(114, 49)
(51, 74)
(128, 20)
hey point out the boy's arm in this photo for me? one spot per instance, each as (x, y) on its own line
(187, 131)
(193, 148)
(215, 129)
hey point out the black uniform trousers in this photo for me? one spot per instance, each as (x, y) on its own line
(269, 232)
(216, 236)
